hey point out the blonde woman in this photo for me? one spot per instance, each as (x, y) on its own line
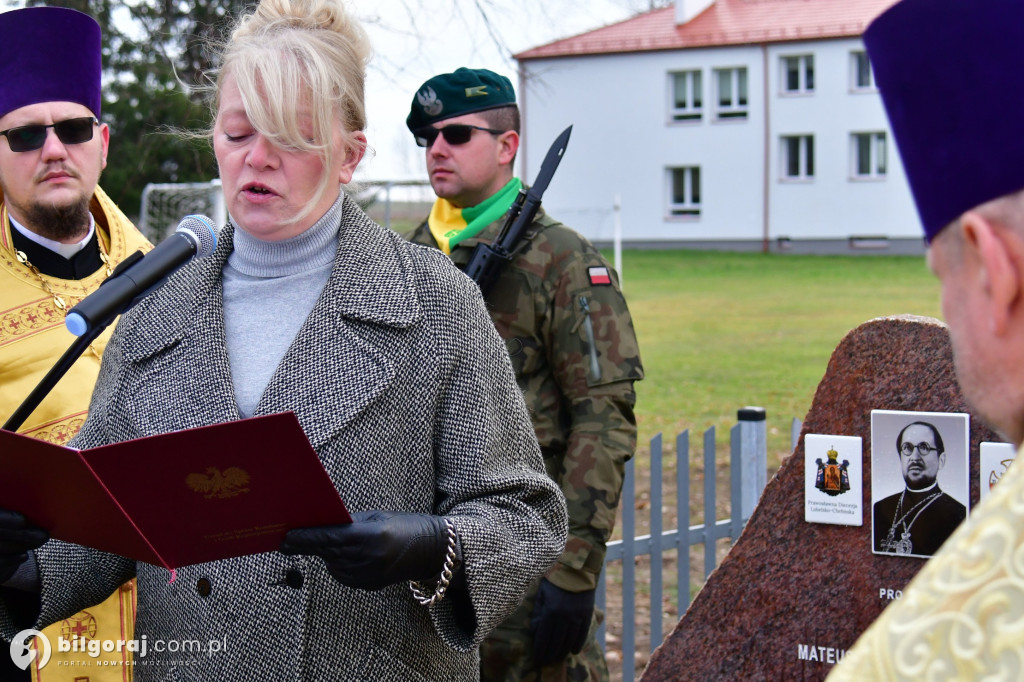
(385, 353)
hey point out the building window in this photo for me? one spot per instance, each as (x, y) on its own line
(687, 103)
(798, 74)
(861, 77)
(732, 93)
(868, 155)
(684, 191)
(797, 157)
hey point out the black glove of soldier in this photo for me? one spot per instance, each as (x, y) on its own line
(560, 622)
(379, 548)
(17, 537)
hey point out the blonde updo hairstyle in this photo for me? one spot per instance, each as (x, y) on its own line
(292, 51)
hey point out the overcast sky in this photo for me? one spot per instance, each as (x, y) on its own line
(414, 40)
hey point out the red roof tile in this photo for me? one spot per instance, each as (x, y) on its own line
(726, 22)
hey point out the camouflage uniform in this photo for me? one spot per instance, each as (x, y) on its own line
(581, 401)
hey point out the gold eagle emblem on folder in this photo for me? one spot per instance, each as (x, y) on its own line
(215, 484)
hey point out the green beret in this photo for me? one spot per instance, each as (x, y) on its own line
(453, 94)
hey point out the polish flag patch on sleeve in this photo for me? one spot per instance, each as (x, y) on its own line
(599, 275)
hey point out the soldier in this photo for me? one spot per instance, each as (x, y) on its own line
(570, 336)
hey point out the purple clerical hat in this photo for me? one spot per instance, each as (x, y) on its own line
(951, 75)
(49, 54)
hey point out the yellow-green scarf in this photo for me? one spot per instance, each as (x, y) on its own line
(451, 225)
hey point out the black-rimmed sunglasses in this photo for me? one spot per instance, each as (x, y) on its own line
(32, 137)
(456, 133)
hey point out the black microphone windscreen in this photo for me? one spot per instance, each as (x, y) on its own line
(202, 230)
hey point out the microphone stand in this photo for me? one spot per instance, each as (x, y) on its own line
(52, 377)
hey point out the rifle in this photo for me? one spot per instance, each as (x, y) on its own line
(488, 260)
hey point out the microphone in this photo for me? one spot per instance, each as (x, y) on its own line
(195, 236)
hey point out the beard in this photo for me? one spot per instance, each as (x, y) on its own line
(65, 222)
(60, 223)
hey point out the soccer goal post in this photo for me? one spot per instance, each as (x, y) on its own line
(165, 204)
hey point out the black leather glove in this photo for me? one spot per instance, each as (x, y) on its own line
(379, 548)
(560, 622)
(17, 537)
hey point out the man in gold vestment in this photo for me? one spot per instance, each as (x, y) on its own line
(950, 76)
(60, 237)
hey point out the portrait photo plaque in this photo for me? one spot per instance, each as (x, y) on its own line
(920, 481)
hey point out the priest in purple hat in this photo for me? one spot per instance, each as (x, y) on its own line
(60, 236)
(951, 77)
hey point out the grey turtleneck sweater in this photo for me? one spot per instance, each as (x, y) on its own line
(269, 290)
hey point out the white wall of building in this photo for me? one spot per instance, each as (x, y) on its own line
(833, 204)
(622, 144)
(624, 141)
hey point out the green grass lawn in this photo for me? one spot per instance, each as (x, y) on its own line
(719, 331)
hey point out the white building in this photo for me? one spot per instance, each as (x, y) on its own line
(740, 124)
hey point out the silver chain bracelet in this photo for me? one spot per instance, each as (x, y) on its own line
(422, 591)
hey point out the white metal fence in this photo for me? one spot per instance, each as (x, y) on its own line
(164, 205)
(748, 470)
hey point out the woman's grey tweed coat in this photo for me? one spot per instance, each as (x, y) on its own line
(406, 392)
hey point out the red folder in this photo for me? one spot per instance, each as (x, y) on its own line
(176, 499)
